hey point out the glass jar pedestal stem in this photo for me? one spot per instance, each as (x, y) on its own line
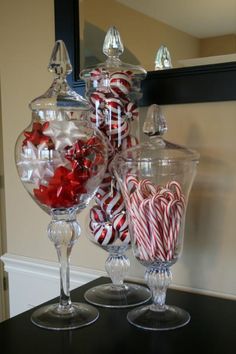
(117, 294)
(64, 231)
(158, 315)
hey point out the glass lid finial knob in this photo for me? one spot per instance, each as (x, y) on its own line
(155, 122)
(113, 46)
(60, 62)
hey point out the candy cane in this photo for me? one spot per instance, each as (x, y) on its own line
(131, 182)
(156, 213)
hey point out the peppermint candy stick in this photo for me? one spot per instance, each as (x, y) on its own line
(156, 216)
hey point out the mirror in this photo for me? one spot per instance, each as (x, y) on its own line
(200, 83)
(203, 32)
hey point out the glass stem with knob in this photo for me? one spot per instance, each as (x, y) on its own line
(118, 293)
(158, 281)
(64, 231)
(158, 315)
(117, 266)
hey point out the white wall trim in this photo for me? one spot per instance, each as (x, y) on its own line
(34, 281)
(43, 268)
(198, 291)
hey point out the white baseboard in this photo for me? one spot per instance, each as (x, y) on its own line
(33, 281)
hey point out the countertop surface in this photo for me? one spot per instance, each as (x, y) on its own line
(212, 329)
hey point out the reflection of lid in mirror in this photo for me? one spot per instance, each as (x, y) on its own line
(59, 96)
(112, 48)
(156, 148)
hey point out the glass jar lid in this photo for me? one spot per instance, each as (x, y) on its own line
(112, 48)
(59, 96)
(156, 148)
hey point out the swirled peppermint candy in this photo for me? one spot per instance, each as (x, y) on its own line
(104, 234)
(124, 237)
(120, 83)
(131, 111)
(97, 215)
(120, 222)
(112, 203)
(117, 131)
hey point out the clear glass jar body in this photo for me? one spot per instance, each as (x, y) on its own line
(156, 195)
(60, 159)
(113, 94)
(113, 89)
(155, 179)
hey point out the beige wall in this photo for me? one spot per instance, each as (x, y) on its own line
(26, 37)
(208, 261)
(220, 45)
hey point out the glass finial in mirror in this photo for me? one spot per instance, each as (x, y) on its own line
(60, 62)
(113, 46)
(155, 122)
(163, 58)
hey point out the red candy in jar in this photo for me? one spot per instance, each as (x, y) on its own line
(97, 214)
(124, 236)
(113, 87)
(112, 203)
(104, 234)
(118, 131)
(120, 83)
(131, 110)
(120, 222)
(98, 99)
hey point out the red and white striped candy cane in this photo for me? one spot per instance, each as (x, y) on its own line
(175, 187)
(131, 182)
(155, 230)
(141, 231)
(154, 236)
(157, 214)
(146, 188)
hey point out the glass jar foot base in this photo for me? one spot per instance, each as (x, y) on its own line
(118, 296)
(52, 317)
(172, 317)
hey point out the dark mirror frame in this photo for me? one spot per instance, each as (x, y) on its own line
(205, 83)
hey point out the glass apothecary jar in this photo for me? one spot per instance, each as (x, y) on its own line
(113, 89)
